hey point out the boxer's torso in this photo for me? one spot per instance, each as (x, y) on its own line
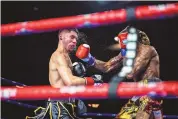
(152, 68)
(54, 76)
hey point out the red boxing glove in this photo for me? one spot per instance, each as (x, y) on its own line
(122, 39)
(83, 53)
(93, 79)
(89, 81)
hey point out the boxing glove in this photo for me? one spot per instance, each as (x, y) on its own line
(93, 79)
(78, 69)
(122, 39)
(83, 53)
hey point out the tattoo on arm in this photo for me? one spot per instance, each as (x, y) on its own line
(100, 65)
(113, 63)
(141, 61)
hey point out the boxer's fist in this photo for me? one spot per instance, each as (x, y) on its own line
(78, 69)
(83, 53)
(122, 39)
(95, 79)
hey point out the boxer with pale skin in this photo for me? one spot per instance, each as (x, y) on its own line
(61, 74)
(60, 65)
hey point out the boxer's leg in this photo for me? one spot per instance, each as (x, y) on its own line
(128, 111)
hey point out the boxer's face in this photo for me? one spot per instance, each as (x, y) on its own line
(70, 40)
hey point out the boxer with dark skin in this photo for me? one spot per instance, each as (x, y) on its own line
(145, 69)
(147, 60)
(146, 65)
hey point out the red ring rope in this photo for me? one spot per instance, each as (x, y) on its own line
(100, 18)
(95, 92)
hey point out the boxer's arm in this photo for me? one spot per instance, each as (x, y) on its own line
(110, 65)
(141, 61)
(83, 53)
(66, 73)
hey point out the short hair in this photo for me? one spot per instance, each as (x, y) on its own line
(69, 30)
(142, 36)
(82, 38)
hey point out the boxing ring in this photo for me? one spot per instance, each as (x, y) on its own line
(114, 89)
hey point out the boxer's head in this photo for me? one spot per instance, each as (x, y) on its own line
(69, 38)
(143, 38)
(82, 39)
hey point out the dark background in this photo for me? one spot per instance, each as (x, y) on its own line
(25, 58)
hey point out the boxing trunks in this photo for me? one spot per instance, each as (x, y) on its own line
(140, 107)
(60, 109)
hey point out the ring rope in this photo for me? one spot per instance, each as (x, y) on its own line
(15, 84)
(12, 82)
(114, 115)
(84, 114)
(91, 20)
(125, 90)
(20, 104)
